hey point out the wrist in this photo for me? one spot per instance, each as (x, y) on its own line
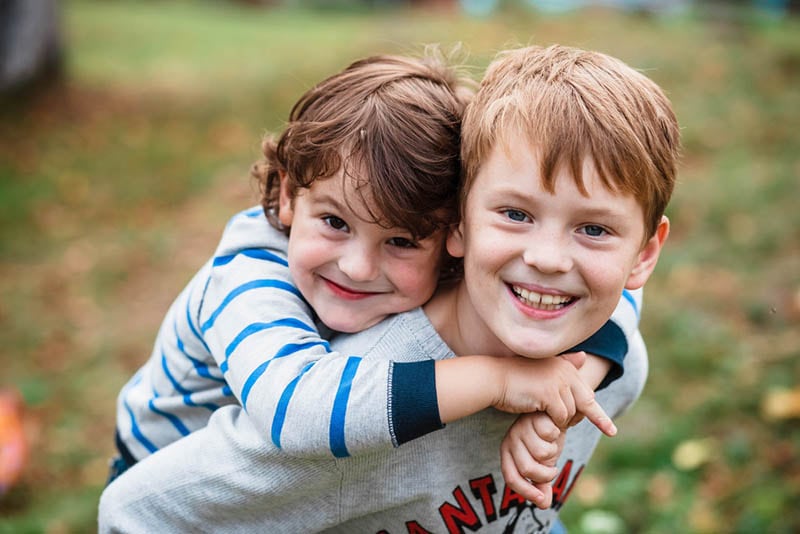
(493, 375)
(466, 385)
(594, 370)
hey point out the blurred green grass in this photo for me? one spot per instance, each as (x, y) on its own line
(114, 187)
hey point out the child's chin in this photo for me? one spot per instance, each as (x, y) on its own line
(538, 349)
(350, 327)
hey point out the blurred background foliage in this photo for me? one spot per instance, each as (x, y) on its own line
(118, 172)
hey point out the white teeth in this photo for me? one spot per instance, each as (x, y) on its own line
(539, 300)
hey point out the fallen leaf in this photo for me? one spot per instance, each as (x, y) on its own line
(601, 522)
(703, 518)
(13, 443)
(590, 490)
(693, 453)
(661, 488)
(779, 403)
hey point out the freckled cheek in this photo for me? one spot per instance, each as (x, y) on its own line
(604, 277)
(490, 256)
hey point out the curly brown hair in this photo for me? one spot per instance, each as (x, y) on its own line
(393, 124)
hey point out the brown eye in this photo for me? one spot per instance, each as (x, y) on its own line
(335, 222)
(402, 242)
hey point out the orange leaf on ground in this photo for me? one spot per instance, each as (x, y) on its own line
(779, 404)
(13, 445)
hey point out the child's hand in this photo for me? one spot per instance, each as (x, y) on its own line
(528, 456)
(550, 385)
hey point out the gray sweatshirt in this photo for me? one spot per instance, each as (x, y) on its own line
(226, 478)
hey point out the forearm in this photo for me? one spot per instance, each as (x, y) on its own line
(466, 385)
(594, 370)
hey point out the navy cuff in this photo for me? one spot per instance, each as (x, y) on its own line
(415, 407)
(609, 342)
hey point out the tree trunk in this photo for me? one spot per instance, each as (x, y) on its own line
(31, 49)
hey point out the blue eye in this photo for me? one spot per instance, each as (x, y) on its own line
(516, 215)
(335, 222)
(593, 230)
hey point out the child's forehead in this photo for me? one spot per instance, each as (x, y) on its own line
(345, 188)
(524, 149)
(550, 165)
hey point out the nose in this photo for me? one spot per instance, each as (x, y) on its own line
(359, 262)
(548, 252)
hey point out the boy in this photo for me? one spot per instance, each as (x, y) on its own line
(366, 174)
(569, 161)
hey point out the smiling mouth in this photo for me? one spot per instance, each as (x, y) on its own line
(542, 301)
(347, 292)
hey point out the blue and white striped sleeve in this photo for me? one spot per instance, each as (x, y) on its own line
(177, 389)
(294, 387)
(614, 337)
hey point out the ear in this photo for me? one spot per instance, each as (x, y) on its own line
(455, 240)
(648, 256)
(285, 201)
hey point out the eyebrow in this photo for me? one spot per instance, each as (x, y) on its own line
(327, 198)
(344, 209)
(602, 212)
